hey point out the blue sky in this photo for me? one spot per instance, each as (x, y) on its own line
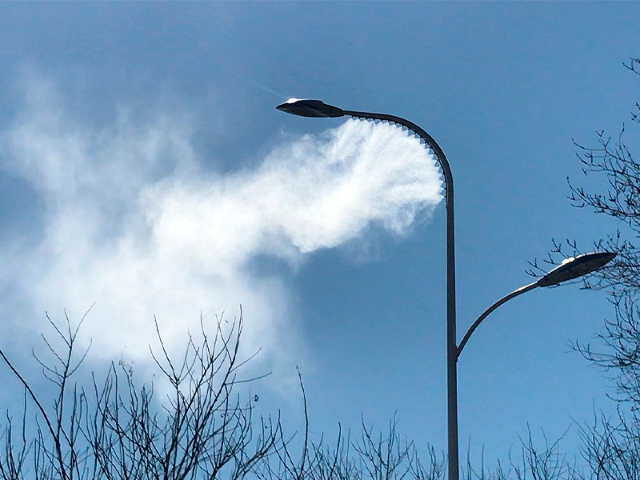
(145, 169)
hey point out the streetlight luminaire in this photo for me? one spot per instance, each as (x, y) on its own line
(310, 108)
(575, 267)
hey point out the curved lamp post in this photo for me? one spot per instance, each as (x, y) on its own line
(316, 108)
(570, 269)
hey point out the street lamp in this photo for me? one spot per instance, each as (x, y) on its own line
(317, 108)
(570, 269)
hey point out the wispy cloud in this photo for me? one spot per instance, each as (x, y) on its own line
(134, 224)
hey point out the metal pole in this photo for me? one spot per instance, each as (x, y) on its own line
(452, 348)
(317, 108)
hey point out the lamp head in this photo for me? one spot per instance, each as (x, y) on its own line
(310, 108)
(576, 267)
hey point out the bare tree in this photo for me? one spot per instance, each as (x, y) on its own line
(200, 428)
(612, 159)
(611, 446)
(117, 430)
(373, 457)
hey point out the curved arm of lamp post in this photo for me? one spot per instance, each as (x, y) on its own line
(486, 313)
(319, 109)
(442, 159)
(570, 269)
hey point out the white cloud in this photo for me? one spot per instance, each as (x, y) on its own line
(134, 225)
